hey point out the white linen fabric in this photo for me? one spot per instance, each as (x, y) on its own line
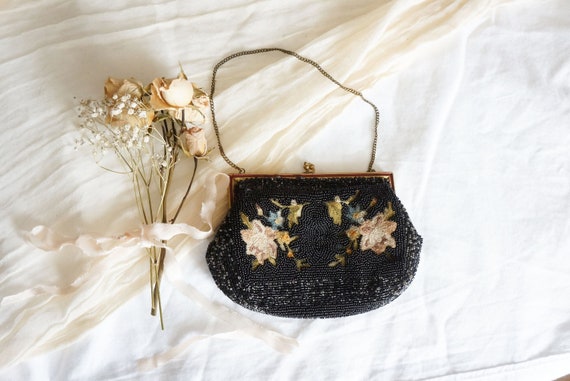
(475, 109)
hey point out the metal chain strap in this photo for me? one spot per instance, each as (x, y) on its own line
(300, 58)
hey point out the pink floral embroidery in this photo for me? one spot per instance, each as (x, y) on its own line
(377, 234)
(260, 241)
(264, 242)
(365, 234)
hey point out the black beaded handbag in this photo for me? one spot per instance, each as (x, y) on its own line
(311, 245)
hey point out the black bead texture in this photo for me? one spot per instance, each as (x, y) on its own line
(366, 281)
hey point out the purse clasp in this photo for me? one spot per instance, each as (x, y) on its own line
(308, 167)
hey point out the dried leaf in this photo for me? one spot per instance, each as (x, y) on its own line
(388, 211)
(245, 220)
(301, 264)
(335, 211)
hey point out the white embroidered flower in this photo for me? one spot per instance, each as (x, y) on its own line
(260, 241)
(377, 234)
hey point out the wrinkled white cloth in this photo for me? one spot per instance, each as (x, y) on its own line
(474, 107)
(109, 252)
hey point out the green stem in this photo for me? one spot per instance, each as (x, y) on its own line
(151, 276)
(187, 191)
(157, 302)
(165, 185)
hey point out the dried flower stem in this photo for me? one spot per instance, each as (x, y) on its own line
(146, 134)
(187, 191)
(169, 135)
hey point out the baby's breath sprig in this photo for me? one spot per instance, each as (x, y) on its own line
(148, 130)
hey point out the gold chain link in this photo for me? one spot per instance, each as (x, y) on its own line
(300, 58)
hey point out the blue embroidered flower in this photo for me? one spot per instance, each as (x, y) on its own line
(276, 219)
(355, 214)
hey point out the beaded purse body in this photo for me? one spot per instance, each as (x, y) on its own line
(312, 245)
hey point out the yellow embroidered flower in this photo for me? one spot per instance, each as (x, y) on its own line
(260, 241)
(284, 237)
(377, 234)
(353, 233)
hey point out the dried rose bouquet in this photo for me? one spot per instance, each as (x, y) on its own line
(149, 129)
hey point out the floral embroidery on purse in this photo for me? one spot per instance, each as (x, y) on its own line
(263, 241)
(364, 234)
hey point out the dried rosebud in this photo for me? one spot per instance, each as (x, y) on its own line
(193, 142)
(178, 96)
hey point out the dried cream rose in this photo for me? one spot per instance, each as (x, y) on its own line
(193, 142)
(200, 99)
(125, 105)
(178, 95)
(120, 87)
